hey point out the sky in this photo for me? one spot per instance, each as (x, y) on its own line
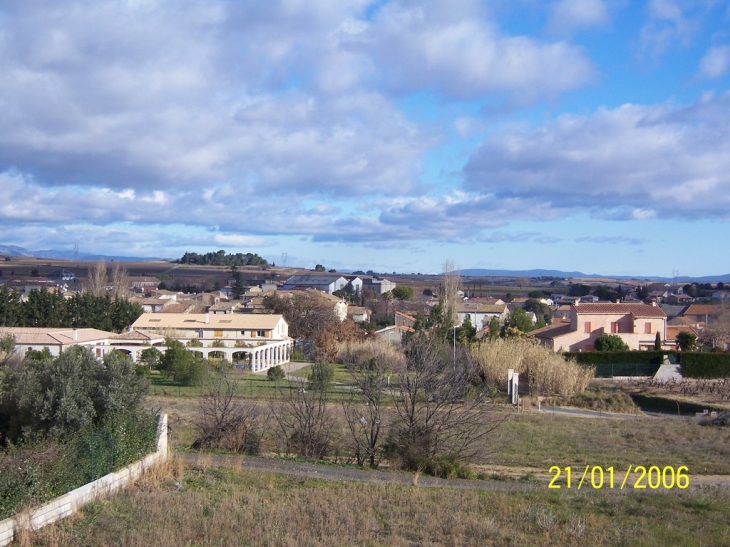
(392, 135)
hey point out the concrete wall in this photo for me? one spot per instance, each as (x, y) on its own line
(67, 504)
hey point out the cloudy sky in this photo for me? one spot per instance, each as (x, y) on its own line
(589, 135)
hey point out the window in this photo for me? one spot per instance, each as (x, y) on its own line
(261, 333)
(615, 328)
(587, 326)
(218, 333)
(647, 328)
(189, 321)
(243, 333)
(155, 320)
(225, 321)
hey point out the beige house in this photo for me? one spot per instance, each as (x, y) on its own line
(480, 314)
(262, 340)
(208, 328)
(636, 324)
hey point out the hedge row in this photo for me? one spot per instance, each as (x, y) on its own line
(646, 363)
(619, 357)
(705, 365)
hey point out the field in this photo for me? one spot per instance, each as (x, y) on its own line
(229, 507)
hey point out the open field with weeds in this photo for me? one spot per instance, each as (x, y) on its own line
(533, 440)
(230, 507)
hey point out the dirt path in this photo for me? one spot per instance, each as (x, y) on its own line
(539, 480)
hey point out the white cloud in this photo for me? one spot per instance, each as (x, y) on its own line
(715, 62)
(569, 15)
(632, 162)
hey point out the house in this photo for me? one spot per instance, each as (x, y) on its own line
(702, 313)
(358, 314)
(58, 339)
(636, 324)
(393, 333)
(378, 284)
(404, 320)
(322, 282)
(142, 283)
(63, 274)
(152, 304)
(673, 331)
(261, 340)
(208, 328)
(479, 314)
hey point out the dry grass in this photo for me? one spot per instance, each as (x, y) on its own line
(360, 354)
(223, 507)
(546, 372)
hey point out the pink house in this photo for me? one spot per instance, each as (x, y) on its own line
(636, 324)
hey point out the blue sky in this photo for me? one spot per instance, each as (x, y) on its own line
(589, 135)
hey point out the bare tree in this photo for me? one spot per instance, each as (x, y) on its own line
(450, 282)
(304, 419)
(120, 282)
(96, 284)
(716, 332)
(440, 410)
(227, 423)
(364, 411)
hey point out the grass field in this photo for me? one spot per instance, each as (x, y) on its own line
(227, 507)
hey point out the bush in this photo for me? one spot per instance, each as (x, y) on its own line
(275, 374)
(31, 474)
(362, 353)
(611, 342)
(58, 397)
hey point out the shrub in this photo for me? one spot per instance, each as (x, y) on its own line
(60, 396)
(321, 376)
(275, 374)
(705, 365)
(610, 342)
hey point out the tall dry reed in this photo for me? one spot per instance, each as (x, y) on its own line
(546, 372)
(360, 353)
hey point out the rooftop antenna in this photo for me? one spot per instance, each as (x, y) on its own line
(675, 275)
(76, 251)
(283, 259)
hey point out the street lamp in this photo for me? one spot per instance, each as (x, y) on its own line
(455, 327)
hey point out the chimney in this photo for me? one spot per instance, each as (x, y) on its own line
(76, 335)
(207, 319)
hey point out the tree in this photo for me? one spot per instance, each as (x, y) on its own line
(151, 358)
(120, 282)
(321, 376)
(606, 293)
(541, 310)
(319, 268)
(536, 294)
(495, 328)
(306, 312)
(438, 412)
(227, 423)
(690, 289)
(610, 342)
(363, 411)
(658, 342)
(10, 307)
(642, 292)
(402, 292)
(305, 420)
(522, 282)
(579, 289)
(450, 282)
(466, 333)
(687, 341)
(183, 366)
(519, 320)
(96, 284)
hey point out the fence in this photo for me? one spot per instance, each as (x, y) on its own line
(65, 505)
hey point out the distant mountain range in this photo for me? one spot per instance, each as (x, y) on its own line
(557, 273)
(14, 250)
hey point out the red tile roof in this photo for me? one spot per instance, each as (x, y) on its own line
(604, 308)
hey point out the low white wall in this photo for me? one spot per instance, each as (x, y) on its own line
(66, 505)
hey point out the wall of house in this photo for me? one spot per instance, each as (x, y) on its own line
(632, 330)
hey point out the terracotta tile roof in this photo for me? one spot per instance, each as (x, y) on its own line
(606, 308)
(51, 336)
(703, 309)
(552, 331)
(206, 321)
(673, 331)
